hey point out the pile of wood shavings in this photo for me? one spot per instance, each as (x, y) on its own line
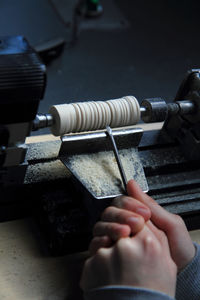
(99, 171)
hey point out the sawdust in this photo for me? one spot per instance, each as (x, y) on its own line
(43, 150)
(99, 171)
(46, 172)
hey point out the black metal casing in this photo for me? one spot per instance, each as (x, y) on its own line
(22, 80)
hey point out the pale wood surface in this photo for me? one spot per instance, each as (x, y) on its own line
(25, 273)
(41, 138)
(195, 236)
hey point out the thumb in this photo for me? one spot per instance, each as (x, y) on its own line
(160, 217)
(181, 246)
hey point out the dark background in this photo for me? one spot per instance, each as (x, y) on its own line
(142, 48)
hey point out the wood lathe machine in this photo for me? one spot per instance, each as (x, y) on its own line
(65, 183)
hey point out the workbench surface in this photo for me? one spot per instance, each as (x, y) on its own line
(28, 273)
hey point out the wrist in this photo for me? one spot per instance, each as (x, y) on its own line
(188, 257)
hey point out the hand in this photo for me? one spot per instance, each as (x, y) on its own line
(141, 261)
(181, 246)
(117, 222)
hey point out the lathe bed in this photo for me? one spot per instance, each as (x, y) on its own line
(53, 198)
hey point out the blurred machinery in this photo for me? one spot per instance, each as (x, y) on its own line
(22, 85)
(166, 161)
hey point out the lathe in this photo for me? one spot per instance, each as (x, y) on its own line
(66, 199)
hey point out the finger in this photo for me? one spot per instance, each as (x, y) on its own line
(113, 230)
(133, 205)
(160, 217)
(99, 242)
(92, 266)
(171, 224)
(122, 216)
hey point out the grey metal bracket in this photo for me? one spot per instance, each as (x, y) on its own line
(93, 145)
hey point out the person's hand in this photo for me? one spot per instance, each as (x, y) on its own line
(117, 222)
(140, 261)
(181, 246)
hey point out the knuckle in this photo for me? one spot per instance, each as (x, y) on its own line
(123, 245)
(122, 202)
(107, 211)
(87, 263)
(127, 201)
(112, 230)
(132, 204)
(148, 240)
(100, 255)
(109, 227)
(96, 243)
(96, 228)
(178, 220)
(174, 222)
(152, 246)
